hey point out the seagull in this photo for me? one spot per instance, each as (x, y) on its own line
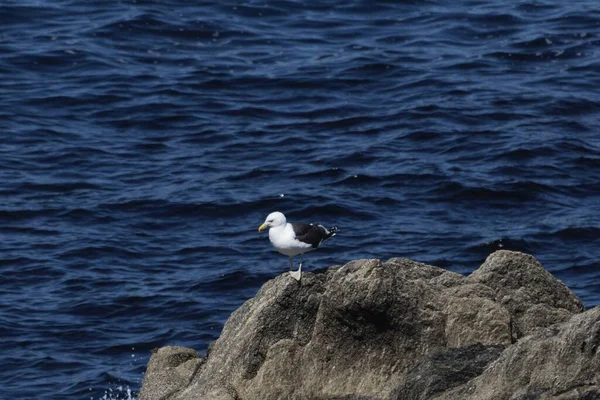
(295, 239)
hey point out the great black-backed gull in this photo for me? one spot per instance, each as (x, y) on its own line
(295, 239)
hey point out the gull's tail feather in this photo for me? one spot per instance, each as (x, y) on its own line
(331, 232)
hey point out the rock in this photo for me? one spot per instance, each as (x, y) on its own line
(169, 370)
(372, 330)
(488, 322)
(520, 283)
(559, 362)
(445, 370)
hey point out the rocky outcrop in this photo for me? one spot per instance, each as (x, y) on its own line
(170, 369)
(561, 361)
(396, 330)
(532, 295)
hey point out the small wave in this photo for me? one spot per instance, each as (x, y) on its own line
(91, 252)
(591, 270)
(410, 180)
(517, 56)
(328, 173)
(588, 162)
(584, 233)
(204, 136)
(371, 69)
(186, 251)
(149, 24)
(152, 147)
(536, 43)
(382, 201)
(422, 136)
(17, 261)
(574, 107)
(522, 154)
(454, 191)
(94, 310)
(536, 7)
(493, 19)
(357, 158)
(333, 210)
(82, 215)
(54, 363)
(29, 231)
(59, 187)
(473, 65)
(359, 180)
(229, 281)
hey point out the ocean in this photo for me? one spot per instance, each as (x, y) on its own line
(143, 142)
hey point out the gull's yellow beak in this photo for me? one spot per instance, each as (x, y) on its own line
(263, 227)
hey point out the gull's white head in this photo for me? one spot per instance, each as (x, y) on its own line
(274, 219)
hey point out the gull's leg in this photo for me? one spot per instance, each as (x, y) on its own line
(297, 274)
(291, 263)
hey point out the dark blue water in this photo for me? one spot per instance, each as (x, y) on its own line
(143, 142)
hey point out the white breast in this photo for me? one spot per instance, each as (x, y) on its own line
(283, 239)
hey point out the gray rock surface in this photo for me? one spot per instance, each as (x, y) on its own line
(558, 362)
(170, 369)
(374, 330)
(529, 292)
(446, 370)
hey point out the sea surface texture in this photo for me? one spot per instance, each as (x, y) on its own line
(143, 142)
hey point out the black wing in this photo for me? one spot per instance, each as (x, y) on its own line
(309, 233)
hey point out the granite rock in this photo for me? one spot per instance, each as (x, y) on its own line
(383, 330)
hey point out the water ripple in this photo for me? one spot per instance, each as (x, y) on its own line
(143, 144)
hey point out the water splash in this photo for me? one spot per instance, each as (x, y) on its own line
(118, 393)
